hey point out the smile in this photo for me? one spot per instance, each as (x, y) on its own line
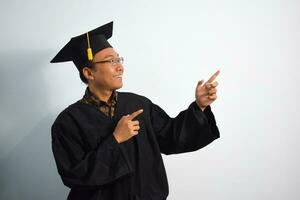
(118, 76)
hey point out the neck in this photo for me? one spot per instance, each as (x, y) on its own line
(101, 94)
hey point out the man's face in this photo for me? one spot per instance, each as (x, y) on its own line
(107, 75)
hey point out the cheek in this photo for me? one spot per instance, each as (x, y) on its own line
(105, 76)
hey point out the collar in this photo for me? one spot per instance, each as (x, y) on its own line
(89, 98)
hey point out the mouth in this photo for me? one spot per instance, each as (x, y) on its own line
(118, 76)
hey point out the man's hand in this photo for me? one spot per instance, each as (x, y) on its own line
(126, 127)
(207, 93)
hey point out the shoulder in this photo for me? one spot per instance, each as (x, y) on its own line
(70, 109)
(132, 97)
(73, 120)
(73, 113)
(131, 102)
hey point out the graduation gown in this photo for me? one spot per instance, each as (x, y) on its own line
(96, 167)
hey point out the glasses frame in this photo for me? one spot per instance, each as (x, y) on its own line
(113, 61)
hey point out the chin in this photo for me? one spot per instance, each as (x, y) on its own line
(118, 86)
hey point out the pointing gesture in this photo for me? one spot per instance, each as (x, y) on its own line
(207, 93)
(126, 127)
(135, 114)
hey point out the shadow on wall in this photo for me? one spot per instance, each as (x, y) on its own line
(27, 167)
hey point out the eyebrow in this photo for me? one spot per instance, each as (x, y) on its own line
(108, 56)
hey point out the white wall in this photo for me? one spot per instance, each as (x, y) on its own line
(168, 47)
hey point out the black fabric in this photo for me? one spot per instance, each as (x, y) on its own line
(96, 167)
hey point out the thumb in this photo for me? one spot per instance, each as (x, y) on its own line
(200, 82)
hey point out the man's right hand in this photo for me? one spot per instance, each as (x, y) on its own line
(126, 127)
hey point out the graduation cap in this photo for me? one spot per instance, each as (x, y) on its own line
(82, 48)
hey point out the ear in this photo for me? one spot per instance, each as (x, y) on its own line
(87, 73)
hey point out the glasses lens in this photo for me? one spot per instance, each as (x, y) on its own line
(118, 60)
(121, 60)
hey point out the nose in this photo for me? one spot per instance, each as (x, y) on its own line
(120, 67)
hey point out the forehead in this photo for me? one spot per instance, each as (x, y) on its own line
(105, 53)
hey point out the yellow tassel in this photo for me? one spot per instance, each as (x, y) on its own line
(90, 54)
(89, 50)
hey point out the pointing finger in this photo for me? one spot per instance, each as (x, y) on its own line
(135, 114)
(213, 77)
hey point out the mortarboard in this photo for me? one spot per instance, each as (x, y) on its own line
(82, 48)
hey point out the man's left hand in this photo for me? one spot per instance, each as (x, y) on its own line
(207, 93)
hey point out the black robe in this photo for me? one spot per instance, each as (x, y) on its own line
(96, 167)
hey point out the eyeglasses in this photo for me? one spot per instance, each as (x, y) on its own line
(112, 62)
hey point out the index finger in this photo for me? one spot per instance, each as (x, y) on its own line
(213, 77)
(135, 114)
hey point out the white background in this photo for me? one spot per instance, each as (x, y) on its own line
(168, 46)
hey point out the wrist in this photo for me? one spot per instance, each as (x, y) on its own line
(201, 107)
(116, 137)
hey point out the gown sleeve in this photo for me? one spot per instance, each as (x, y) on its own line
(79, 167)
(190, 130)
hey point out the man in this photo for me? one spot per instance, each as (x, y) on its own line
(108, 145)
